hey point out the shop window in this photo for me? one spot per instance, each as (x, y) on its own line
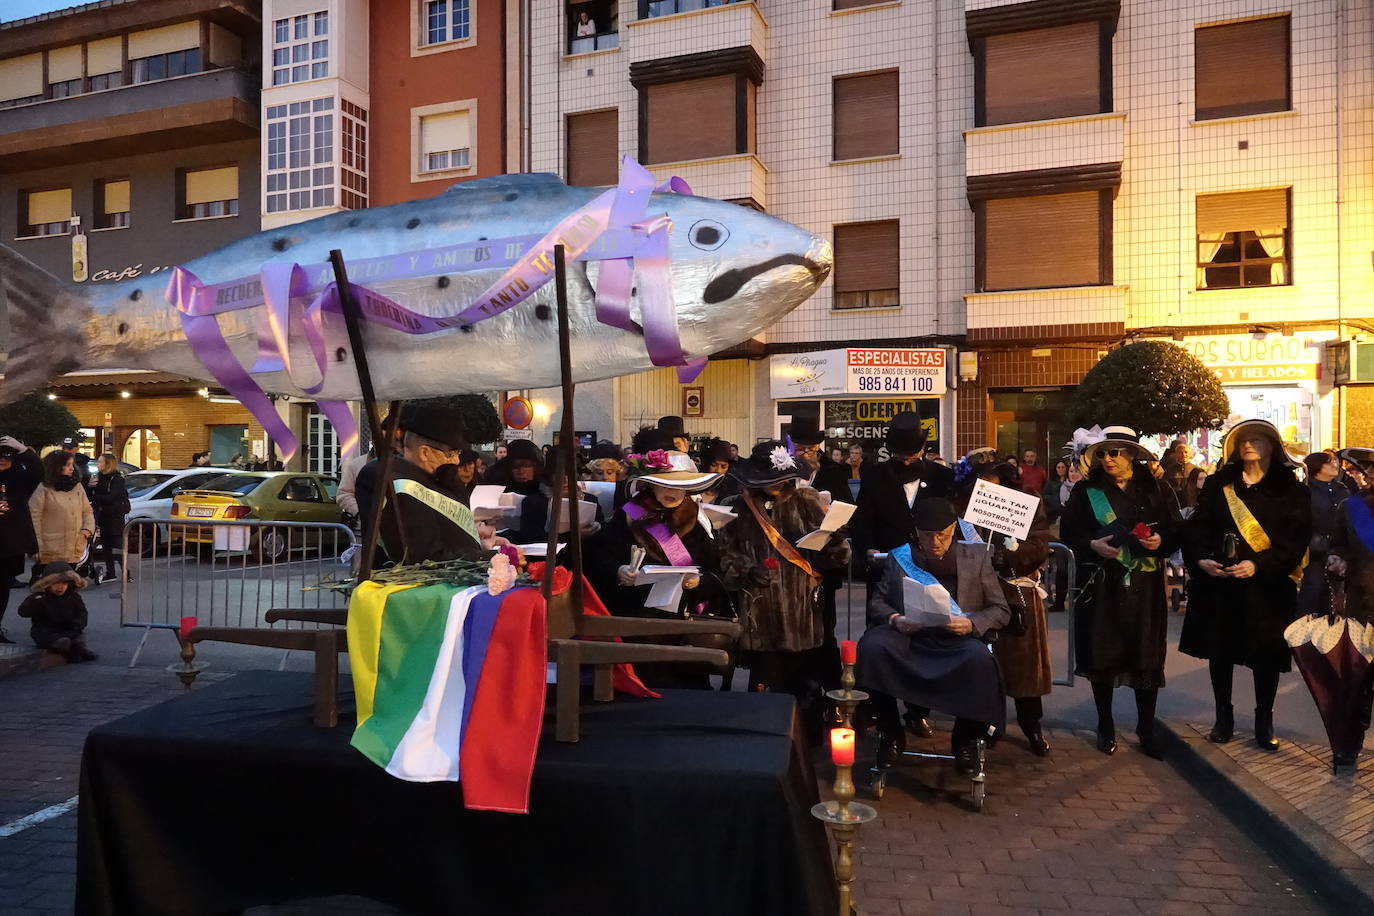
(300, 48)
(594, 148)
(443, 21)
(163, 66)
(112, 204)
(45, 212)
(1242, 239)
(1242, 68)
(1040, 74)
(868, 265)
(1044, 241)
(445, 142)
(592, 26)
(866, 115)
(208, 193)
(698, 118)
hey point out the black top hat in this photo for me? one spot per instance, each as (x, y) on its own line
(715, 449)
(806, 431)
(906, 435)
(672, 426)
(767, 464)
(437, 421)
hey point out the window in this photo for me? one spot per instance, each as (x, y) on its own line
(445, 142)
(866, 117)
(65, 88)
(46, 212)
(698, 118)
(1040, 74)
(21, 80)
(868, 265)
(322, 444)
(649, 9)
(112, 204)
(162, 66)
(207, 193)
(1241, 68)
(300, 156)
(65, 72)
(301, 489)
(300, 48)
(854, 4)
(106, 81)
(444, 20)
(104, 64)
(592, 26)
(1242, 239)
(1043, 241)
(594, 148)
(353, 156)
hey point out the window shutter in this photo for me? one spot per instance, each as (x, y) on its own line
(1042, 74)
(594, 148)
(165, 40)
(443, 132)
(1242, 68)
(210, 185)
(868, 256)
(64, 64)
(866, 115)
(691, 119)
(1218, 214)
(21, 77)
(116, 194)
(105, 56)
(50, 206)
(1040, 242)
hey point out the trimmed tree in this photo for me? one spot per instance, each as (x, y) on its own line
(480, 419)
(38, 421)
(1152, 386)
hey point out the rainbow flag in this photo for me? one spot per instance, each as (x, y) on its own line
(450, 686)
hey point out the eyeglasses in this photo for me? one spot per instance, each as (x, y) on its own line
(1115, 452)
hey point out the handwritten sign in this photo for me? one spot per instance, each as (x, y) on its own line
(1001, 509)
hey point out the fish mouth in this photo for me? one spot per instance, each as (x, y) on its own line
(727, 285)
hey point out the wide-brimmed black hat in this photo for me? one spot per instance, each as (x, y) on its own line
(605, 450)
(806, 431)
(57, 572)
(651, 439)
(767, 464)
(715, 449)
(438, 422)
(523, 450)
(1230, 445)
(906, 435)
(1364, 457)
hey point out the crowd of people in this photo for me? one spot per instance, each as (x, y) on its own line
(1247, 535)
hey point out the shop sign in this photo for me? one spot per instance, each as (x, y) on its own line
(1243, 359)
(865, 422)
(860, 371)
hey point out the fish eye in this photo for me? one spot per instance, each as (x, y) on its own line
(707, 234)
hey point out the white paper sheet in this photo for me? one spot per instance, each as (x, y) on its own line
(836, 517)
(490, 501)
(926, 605)
(666, 594)
(719, 516)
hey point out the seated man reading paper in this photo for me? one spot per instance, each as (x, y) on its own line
(926, 614)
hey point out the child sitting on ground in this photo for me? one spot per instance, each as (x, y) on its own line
(58, 613)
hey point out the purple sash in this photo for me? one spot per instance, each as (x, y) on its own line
(671, 544)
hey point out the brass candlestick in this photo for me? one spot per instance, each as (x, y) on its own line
(847, 698)
(188, 670)
(844, 816)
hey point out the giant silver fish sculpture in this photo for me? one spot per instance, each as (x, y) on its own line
(734, 272)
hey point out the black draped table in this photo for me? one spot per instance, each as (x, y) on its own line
(695, 804)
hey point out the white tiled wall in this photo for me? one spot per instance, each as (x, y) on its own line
(1045, 144)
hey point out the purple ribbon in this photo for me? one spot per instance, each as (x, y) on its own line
(672, 546)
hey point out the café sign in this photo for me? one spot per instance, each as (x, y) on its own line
(863, 371)
(1245, 359)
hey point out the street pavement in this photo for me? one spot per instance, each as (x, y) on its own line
(1077, 831)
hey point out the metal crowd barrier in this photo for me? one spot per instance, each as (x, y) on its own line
(1060, 555)
(228, 573)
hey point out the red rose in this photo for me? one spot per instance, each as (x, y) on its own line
(771, 564)
(1142, 531)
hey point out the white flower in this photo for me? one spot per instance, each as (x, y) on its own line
(781, 460)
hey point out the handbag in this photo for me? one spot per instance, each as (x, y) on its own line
(1016, 626)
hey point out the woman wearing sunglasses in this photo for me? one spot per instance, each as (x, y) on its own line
(1122, 523)
(1246, 546)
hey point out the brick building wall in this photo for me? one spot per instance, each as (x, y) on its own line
(182, 423)
(1016, 369)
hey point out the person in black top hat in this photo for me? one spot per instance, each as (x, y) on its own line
(885, 517)
(676, 432)
(20, 474)
(716, 459)
(425, 517)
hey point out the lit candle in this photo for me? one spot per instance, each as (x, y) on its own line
(187, 625)
(849, 652)
(842, 746)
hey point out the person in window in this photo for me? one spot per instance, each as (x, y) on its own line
(20, 474)
(945, 667)
(1122, 524)
(586, 27)
(1245, 548)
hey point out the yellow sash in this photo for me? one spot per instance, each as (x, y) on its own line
(449, 508)
(1251, 530)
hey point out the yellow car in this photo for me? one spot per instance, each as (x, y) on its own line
(269, 496)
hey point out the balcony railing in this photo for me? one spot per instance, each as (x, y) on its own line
(649, 9)
(604, 41)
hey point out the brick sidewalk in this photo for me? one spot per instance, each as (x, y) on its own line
(1075, 832)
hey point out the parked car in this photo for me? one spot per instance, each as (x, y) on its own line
(269, 496)
(151, 494)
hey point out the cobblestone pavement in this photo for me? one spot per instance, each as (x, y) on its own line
(1342, 805)
(1074, 832)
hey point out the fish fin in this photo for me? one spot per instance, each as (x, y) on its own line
(528, 181)
(42, 325)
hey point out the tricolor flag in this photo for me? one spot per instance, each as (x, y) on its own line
(450, 686)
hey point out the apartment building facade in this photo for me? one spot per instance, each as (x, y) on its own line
(129, 144)
(1011, 188)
